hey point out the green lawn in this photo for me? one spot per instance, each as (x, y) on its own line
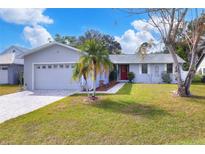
(137, 114)
(8, 89)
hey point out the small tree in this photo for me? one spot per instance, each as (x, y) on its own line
(81, 70)
(96, 59)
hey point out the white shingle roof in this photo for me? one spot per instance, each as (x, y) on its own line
(149, 58)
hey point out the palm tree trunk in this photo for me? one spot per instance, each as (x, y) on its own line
(86, 87)
(86, 84)
(94, 80)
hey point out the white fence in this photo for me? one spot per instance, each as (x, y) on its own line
(184, 74)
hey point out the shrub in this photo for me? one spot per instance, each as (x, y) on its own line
(113, 75)
(197, 78)
(166, 77)
(203, 79)
(131, 76)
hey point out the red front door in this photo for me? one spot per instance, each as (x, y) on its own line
(124, 71)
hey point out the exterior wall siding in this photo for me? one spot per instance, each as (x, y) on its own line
(60, 54)
(152, 76)
(53, 54)
(13, 73)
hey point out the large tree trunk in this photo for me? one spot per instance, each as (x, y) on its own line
(191, 73)
(181, 87)
(184, 86)
(184, 90)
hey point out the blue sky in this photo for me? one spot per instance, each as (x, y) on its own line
(66, 22)
(32, 27)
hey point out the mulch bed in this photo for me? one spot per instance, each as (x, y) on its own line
(106, 87)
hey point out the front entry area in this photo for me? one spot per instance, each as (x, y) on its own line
(54, 77)
(124, 69)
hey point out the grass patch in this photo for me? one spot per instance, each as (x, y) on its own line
(8, 89)
(137, 114)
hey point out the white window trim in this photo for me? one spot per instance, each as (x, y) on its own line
(165, 67)
(148, 69)
(140, 68)
(203, 70)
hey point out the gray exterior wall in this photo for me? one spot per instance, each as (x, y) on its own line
(52, 54)
(151, 76)
(13, 73)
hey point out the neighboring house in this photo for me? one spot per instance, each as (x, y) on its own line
(50, 67)
(11, 64)
(201, 64)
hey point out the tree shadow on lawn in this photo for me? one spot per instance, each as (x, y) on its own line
(126, 89)
(131, 108)
(196, 99)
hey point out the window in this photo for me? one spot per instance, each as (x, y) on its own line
(203, 70)
(44, 67)
(38, 67)
(4, 68)
(66, 65)
(169, 68)
(156, 70)
(55, 66)
(49, 66)
(61, 65)
(144, 68)
(72, 65)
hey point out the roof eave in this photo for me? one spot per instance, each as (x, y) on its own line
(49, 45)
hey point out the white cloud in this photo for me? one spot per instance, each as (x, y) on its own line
(142, 25)
(36, 35)
(131, 40)
(27, 16)
(142, 31)
(32, 19)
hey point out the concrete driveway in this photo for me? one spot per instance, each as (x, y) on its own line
(14, 105)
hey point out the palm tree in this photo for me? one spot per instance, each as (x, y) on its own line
(81, 70)
(94, 61)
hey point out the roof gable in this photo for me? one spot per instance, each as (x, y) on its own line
(45, 46)
(14, 49)
(12, 55)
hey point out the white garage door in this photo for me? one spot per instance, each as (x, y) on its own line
(4, 75)
(54, 77)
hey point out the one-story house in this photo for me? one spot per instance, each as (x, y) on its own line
(50, 67)
(11, 64)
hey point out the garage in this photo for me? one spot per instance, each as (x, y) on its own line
(4, 75)
(56, 76)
